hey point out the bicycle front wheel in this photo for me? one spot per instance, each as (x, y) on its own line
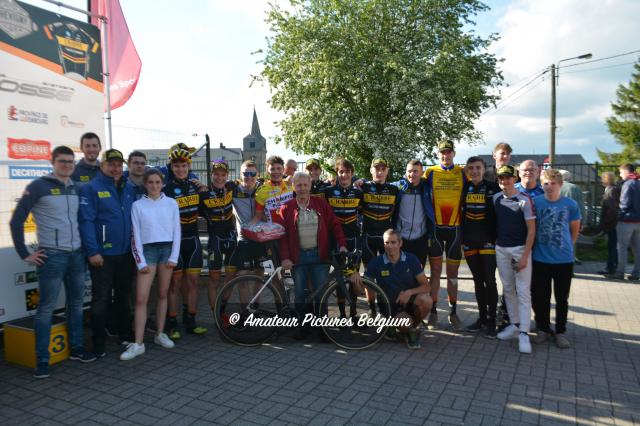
(243, 308)
(358, 329)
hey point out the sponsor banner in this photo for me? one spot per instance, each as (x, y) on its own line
(27, 116)
(63, 45)
(29, 172)
(51, 92)
(21, 149)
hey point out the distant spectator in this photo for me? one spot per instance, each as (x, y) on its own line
(572, 191)
(628, 227)
(290, 169)
(609, 220)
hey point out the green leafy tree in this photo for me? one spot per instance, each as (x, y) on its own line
(368, 78)
(624, 125)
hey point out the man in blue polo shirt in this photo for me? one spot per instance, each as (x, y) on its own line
(402, 278)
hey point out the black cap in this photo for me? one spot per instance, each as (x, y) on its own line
(445, 145)
(506, 171)
(112, 154)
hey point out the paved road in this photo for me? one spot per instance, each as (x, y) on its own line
(454, 379)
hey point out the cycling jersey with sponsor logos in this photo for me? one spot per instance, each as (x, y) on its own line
(217, 207)
(319, 187)
(270, 197)
(378, 202)
(74, 47)
(186, 195)
(346, 204)
(479, 222)
(447, 184)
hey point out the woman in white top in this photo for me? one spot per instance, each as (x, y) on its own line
(156, 246)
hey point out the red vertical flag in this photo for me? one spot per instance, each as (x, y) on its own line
(124, 62)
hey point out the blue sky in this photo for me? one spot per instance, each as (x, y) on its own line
(197, 67)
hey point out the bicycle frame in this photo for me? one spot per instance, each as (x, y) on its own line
(277, 272)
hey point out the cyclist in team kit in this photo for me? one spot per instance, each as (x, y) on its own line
(446, 181)
(346, 202)
(217, 208)
(187, 271)
(273, 193)
(479, 244)
(379, 200)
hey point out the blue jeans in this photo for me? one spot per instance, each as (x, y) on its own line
(60, 267)
(302, 272)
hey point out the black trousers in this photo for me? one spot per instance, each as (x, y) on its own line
(114, 277)
(542, 276)
(482, 263)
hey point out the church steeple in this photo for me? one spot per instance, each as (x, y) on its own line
(254, 145)
(255, 127)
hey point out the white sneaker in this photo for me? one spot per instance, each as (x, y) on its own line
(133, 350)
(524, 344)
(511, 332)
(163, 340)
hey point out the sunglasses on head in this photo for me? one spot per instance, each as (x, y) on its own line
(249, 174)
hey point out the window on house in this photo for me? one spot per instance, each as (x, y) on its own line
(252, 145)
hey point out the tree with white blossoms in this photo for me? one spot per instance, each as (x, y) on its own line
(367, 78)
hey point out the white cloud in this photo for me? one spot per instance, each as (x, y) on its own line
(535, 34)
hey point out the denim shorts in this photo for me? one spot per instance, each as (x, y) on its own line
(157, 253)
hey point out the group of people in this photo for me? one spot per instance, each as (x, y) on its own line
(131, 226)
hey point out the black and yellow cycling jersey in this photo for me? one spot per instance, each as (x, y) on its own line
(347, 205)
(74, 47)
(478, 222)
(217, 208)
(378, 203)
(319, 187)
(188, 199)
(447, 187)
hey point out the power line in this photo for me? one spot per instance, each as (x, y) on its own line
(541, 70)
(536, 76)
(598, 68)
(513, 100)
(601, 59)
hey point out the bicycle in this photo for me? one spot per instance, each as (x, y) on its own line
(249, 299)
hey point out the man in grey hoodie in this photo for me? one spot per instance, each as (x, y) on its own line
(53, 202)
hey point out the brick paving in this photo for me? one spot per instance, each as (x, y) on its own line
(457, 379)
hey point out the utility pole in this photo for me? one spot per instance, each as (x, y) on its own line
(554, 69)
(552, 136)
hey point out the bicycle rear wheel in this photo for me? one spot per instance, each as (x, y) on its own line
(353, 335)
(243, 302)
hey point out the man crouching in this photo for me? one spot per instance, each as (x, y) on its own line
(402, 277)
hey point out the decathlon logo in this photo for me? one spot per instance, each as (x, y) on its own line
(21, 172)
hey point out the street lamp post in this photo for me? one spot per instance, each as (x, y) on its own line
(555, 74)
